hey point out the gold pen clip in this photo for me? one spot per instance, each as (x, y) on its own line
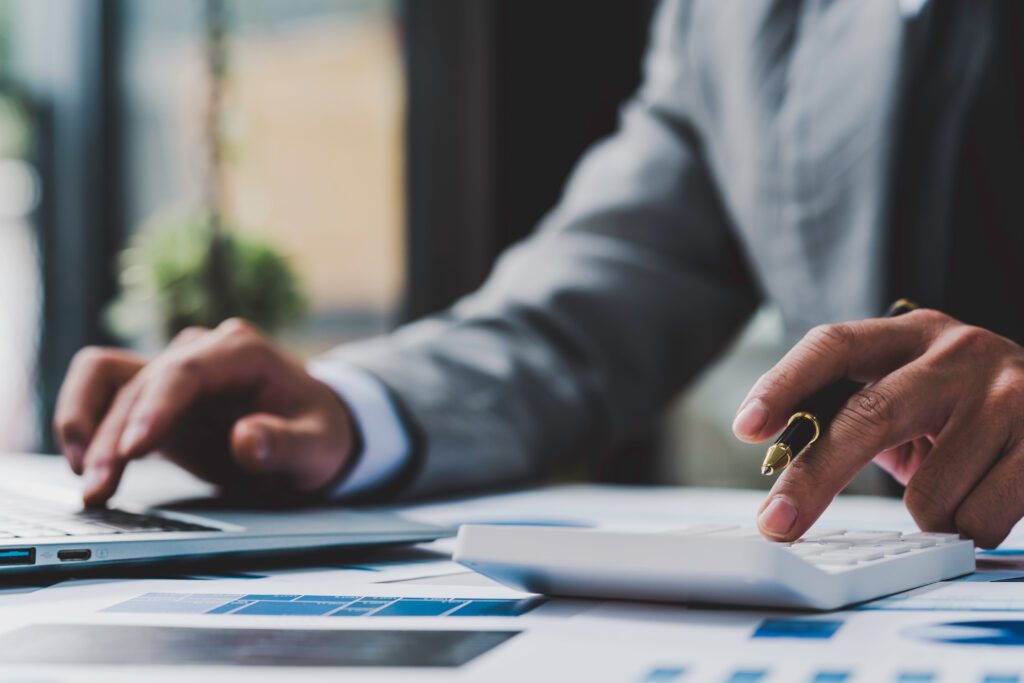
(780, 454)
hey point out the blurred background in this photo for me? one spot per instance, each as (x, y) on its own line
(357, 162)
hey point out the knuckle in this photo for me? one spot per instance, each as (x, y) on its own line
(237, 328)
(872, 409)
(246, 340)
(834, 337)
(808, 469)
(1007, 387)
(825, 474)
(775, 379)
(91, 357)
(188, 334)
(930, 317)
(971, 341)
(186, 366)
(928, 508)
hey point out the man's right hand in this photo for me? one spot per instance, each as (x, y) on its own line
(224, 404)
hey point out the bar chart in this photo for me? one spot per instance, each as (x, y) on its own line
(323, 605)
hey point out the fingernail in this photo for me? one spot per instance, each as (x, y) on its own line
(261, 446)
(94, 478)
(130, 438)
(74, 454)
(751, 418)
(778, 518)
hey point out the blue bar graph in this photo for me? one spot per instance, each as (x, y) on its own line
(831, 677)
(665, 674)
(258, 604)
(818, 629)
(298, 609)
(411, 607)
(916, 677)
(362, 606)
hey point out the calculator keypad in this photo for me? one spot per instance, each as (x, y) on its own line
(837, 549)
(834, 549)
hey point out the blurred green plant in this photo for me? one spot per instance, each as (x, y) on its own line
(166, 285)
(194, 268)
(15, 125)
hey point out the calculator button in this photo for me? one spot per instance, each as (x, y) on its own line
(893, 547)
(940, 539)
(866, 536)
(826, 547)
(817, 534)
(839, 558)
(805, 549)
(866, 554)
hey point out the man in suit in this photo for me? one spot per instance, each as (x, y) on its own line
(826, 155)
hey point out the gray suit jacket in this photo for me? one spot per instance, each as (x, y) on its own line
(753, 163)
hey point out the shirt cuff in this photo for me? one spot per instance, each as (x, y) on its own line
(385, 444)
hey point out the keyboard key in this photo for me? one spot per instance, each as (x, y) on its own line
(20, 519)
(85, 529)
(39, 533)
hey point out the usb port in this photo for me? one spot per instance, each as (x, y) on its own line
(9, 556)
(76, 555)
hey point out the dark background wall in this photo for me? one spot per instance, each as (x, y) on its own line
(504, 96)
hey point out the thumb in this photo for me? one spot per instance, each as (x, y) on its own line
(290, 448)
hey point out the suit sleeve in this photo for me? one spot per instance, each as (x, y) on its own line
(584, 331)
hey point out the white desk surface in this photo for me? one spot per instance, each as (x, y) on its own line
(565, 640)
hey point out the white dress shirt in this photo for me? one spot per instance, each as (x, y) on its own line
(385, 443)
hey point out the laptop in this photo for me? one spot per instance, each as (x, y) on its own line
(45, 529)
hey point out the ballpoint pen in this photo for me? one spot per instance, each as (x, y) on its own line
(806, 424)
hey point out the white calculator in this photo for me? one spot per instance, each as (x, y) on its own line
(713, 563)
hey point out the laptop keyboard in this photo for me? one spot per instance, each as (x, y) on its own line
(31, 518)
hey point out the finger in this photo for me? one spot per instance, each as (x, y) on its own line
(990, 511)
(862, 351)
(898, 408)
(901, 462)
(964, 452)
(292, 449)
(187, 336)
(102, 467)
(93, 378)
(233, 357)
